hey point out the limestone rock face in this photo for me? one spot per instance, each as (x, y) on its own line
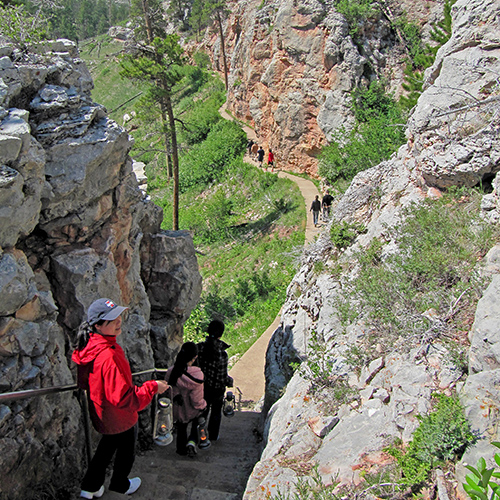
(74, 226)
(293, 65)
(363, 407)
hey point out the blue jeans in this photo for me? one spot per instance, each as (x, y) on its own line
(315, 216)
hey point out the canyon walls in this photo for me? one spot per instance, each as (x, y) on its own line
(293, 65)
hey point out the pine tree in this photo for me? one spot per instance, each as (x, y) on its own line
(158, 62)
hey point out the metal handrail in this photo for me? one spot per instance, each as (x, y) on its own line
(9, 396)
(29, 393)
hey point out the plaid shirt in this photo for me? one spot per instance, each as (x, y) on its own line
(214, 368)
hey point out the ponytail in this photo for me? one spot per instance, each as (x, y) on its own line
(83, 334)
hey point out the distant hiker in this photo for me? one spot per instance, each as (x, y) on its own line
(213, 361)
(270, 160)
(260, 156)
(249, 146)
(326, 203)
(315, 209)
(103, 370)
(255, 148)
(186, 381)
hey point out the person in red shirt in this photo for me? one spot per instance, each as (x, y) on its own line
(103, 370)
(270, 159)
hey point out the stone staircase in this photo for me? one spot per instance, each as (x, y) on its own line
(218, 473)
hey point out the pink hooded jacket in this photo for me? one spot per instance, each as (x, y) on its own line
(191, 392)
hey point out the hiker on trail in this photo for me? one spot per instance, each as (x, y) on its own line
(249, 146)
(186, 381)
(213, 361)
(260, 156)
(103, 370)
(326, 203)
(315, 209)
(255, 148)
(270, 160)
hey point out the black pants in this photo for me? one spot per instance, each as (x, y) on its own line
(215, 400)
(123, 445)
(182, 435)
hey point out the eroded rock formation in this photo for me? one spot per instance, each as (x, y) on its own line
(74, 226)
(452, 141)
(293, 65)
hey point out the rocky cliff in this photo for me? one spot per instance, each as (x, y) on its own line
(74, 226)
(294, 63)
(452, 141)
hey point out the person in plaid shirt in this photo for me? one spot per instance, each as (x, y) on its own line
(213, 361)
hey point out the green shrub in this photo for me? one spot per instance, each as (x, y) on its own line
(343, 234)
(377, 133)
(443, 434)
(209, 161)
(440, 244)
(356, 12)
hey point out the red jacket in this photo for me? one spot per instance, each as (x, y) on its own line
(105, 372)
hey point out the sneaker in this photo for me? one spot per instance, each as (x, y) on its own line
(205, 444)
(191, 449)
(135, 482)
(92, 494)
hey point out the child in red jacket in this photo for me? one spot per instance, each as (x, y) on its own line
(103, 370)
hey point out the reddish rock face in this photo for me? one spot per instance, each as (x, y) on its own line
(294, 64)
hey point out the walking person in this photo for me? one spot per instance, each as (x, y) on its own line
(249, 146)
(186, 381)
(213, 361)
(260, 156)
(270, 159)
(326, 203)
(315, 209)
(255, 148)
(103, 370)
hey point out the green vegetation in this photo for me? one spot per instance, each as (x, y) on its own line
(76, 19)
(479, 484)
(246, 224)
(443, 434)
(430, 286)
(24, 28)
(343, 234)
(356, 12)
(377, 133)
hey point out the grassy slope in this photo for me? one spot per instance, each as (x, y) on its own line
(260, 242)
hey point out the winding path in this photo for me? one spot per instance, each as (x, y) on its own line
(248, 372)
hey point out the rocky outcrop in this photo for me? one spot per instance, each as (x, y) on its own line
(452, 141)
(293, 65)
(74, 226)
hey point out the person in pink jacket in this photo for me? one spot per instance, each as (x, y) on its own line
(103, 370)
(186, 381)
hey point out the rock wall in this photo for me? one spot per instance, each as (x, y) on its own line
(452, 141)
(294, 63)
(74, 226)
